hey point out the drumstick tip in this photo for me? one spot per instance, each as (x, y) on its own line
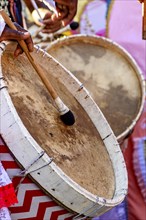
(68, 118)
(66, 115)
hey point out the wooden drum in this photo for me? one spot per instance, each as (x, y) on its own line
(109, 73)
(80, 166)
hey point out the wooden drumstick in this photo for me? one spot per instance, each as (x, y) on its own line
(65, 114)
(144, 20)
(36, 8)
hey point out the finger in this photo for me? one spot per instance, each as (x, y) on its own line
(10, 34)
(49, 22)
(56, 18)
(66, 20)
(25, 36)
(51, 29)
(47, 15)
(29, 44)
(52, 25)
(56, 25)
(52, 20)
(70, 7)
(62, 10)
(20, 28)
(62, 2)
(18, 51)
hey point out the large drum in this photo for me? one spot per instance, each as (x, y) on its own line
(109, 73)
(81, 166)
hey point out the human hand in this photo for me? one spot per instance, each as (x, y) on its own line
(19, 34)
(51, 22)
(66, 10)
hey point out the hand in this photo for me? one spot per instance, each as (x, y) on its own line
(52, 23)
(66, 10)
(20, 34)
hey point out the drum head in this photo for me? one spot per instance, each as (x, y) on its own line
(109, 73)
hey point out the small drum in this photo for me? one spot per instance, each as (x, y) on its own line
(109, 73)
(81, 166)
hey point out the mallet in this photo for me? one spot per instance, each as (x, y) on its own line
(65, 114)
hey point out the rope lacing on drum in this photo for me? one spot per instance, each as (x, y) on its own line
(2, 46)
(38, 50)
(1, 83)
(81, 87)
(2, 78)
(78, 217)
(3, 87)
(26, 171)
(107, 136)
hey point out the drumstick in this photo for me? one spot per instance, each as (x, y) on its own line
(65, 114)
(73, 26)
(144, 20)
(36, 8)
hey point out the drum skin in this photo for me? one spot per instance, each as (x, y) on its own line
(80, 166)
(110, 74)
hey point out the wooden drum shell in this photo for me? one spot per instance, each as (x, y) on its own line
(34, 159)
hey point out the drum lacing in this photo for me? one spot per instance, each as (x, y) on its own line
(2, 46)
(44, 53)
(38, 50)
(26, 171)
(4, 86)
(107, 136)
(81, 87)
(77, 217)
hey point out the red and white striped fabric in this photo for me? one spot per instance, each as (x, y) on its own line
(33, 203)
(7, 193)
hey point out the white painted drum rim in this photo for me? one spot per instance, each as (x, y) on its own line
(129, 58)
(74, 197)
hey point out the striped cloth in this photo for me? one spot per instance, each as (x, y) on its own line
(7, 193)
